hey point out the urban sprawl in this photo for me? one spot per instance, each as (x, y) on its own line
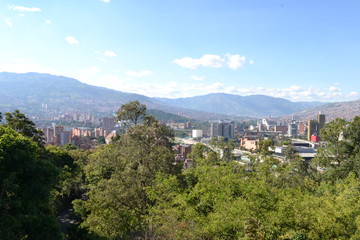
(303, 137)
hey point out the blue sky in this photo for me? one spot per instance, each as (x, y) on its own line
(301, 50)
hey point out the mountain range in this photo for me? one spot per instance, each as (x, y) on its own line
(250, 106)
(30, 91)
(347, 110)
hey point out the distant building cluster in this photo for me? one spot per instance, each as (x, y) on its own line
(58, 135)
(178, 126)
(80, 137)
(223, 128)
(68, 116)
(304, 136)
(310, 130)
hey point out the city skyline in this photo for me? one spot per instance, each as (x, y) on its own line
(298, 50)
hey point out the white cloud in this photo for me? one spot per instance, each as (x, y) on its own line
(354, 94)
(9, 22)
(210, 60)
(174, 89)
(294, 88)
(187, 62)
(207, 60)
(108, 53)
(72, 40)
(235, 61)
(215, 61)
(139, 73)
(333, 89)
(197, 78)
(25, 9)
(251, 62)
(105, 1)
(48, 21)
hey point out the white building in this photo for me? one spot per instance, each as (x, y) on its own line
(197, 133)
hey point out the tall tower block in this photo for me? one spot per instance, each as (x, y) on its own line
(321, 121)
(312, 128)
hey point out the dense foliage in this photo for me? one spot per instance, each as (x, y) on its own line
(20, 123)
(131, 188)
(26, 183)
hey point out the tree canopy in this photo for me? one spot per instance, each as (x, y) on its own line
(341, 154)
(132, 111)
(136, 191)
(20, 123)
(133, 189)
(26, 182)
(119, 175)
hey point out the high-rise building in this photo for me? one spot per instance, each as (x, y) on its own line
(49, 134)
(215, 130)
(108, 123)
(321, 120)
(76, 132)
(292, 130)
(98, 132)
(224, 128)
(314, 126)
(64, 137)
(302, 129)
(57, 129)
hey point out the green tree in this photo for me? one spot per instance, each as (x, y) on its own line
(101, 140)
(119, 175)
(224, 202)
(353, 135)
(339, 155)
(20, 123)
(198, 151)
(264, 146)
(218, 142)
(225, 145)
(26, 182)
(70, 181)
(132, 111)
(212, 158)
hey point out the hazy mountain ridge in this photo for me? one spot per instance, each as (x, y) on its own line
(56, 90)
(347, 110)
(29, 91)
(254, 105)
